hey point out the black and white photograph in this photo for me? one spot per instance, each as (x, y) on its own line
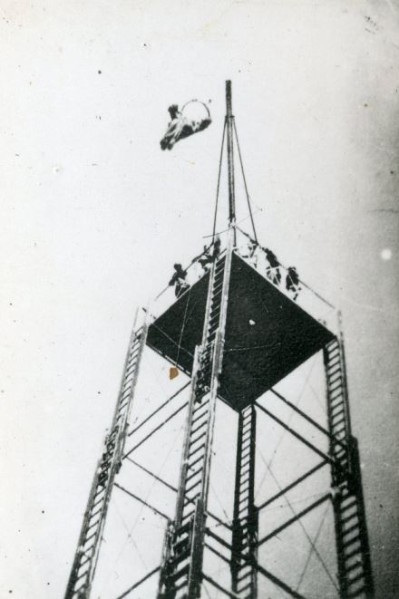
(199, 300)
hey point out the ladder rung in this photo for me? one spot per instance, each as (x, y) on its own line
(336, 398)
(356, 578)
(354, 566)
(337, 409)
(199, 406)
(183, 530)
(87, 539)
(334, 359)
(189, 515)
(182, 542)
(354, 514)
(195, 462)
(197, 434)
(192, 475)
(246, 443)
(178, 587)
(194, 440)
(333, 368)
(81, 575)
(333, 347)
(347, 496)
(356, 593)
(351, 529)
(179, 573)
(356, 551)
(196, 451)
(338, 417)
(194, 430)
(196, 484)
(217, 293)
(134, 352)
(351, 542)
(92, 525)
(334, 385)
(199, 422)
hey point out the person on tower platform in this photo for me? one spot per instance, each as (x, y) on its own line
(273, 268)
(208, 256)
(205, 260)
(292, 283)
(216, 249)
(250, 253)
(179, 280)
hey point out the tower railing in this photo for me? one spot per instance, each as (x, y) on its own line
(279, 275)
(255, 256)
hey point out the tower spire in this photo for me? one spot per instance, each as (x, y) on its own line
(230, 154)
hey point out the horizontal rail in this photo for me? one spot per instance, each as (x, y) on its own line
(158, 409)
(297, 516)
(151, 507)
(292, 485)
(220, 588)
(296, 435)
(139, 582)
(157, 428)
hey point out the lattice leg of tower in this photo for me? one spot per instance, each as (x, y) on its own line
(85, 560)
(181, 572)
(354, 565)
(245, 523)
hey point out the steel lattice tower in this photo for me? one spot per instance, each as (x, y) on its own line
(230, 293)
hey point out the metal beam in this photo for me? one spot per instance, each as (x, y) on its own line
(165, 403)
(139, 582)
(292, 485)
(217, 538)
(278, 582)
(184, 541)
(151, 507)
(288, 523)
(163, 482)
(219, 587)
(230, 153)
(90, 537)
(216, 552)
(156, 429)
(295, 434)
(245, 521)
(172, 488)
(304, 415)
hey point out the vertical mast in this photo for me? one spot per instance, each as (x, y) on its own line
(230, 154)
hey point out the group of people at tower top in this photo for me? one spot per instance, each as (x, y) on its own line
(273, 268)
(205, 260)
(211, 253)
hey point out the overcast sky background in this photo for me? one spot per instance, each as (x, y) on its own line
(94, 215)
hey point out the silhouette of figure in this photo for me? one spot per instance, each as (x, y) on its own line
(250, 255)
(179, 280)
(292, 283)
(180, 127)
(273, 268)
(208, 256)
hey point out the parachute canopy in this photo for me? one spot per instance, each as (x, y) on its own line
(192, 118)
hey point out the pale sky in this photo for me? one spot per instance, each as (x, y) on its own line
(94, 215)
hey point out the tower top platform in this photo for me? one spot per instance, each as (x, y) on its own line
(267, 336)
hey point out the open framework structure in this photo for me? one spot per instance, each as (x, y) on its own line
(236, 332)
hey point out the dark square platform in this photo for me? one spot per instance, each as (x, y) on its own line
(267, 334)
